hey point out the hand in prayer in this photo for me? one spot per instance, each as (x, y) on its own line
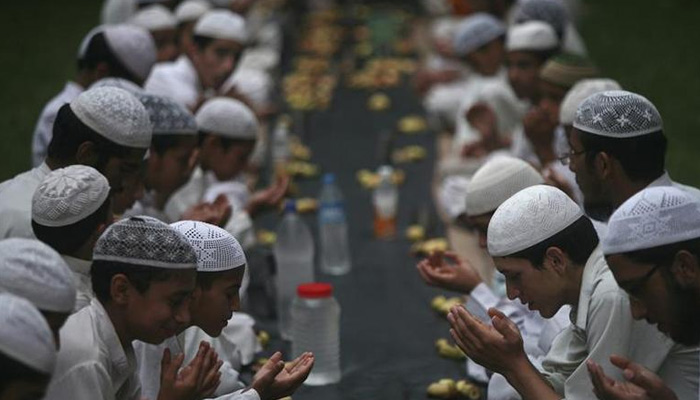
(483, 119)
(198, 380)
(641, 383)
(216, 213)
(457, 275)
(275, 380)
(498, 347)
(268, 197)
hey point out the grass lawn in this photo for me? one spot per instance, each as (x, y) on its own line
(649, 46)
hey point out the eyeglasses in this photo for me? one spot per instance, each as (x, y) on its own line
(565, 158)
(633, 286)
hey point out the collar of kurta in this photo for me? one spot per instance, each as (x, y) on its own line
(189, 73)
(595, 266)
(77, 265)
(122, 359)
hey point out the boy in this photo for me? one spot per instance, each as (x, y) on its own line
(27, 350)
(143, 274)
(161, 24)
(70, 210)
(548, 251)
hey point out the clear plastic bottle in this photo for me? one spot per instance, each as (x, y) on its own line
(333, 229)
(316, 328)
(280, 140)
(294, 256)
(385, 199)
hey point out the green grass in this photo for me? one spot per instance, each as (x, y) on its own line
(649, 46)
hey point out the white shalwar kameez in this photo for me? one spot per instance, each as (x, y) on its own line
(16, 203)
(83, 283)
(43, 132)
(92, 363)
(601, 325)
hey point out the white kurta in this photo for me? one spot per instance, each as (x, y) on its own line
(43, 132)
(16, 202)
(92, 363)
(231, 353)
(177, 80)
(601, 325)
(83, 283)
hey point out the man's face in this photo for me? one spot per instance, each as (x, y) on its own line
(163, 309)
(480, 223)
(596, 200)
(540, 289)
(216, 61)
(166, 44)
(551, 97)
(658, 298)
(211, 308)
(168, 171)
(125, 177)
(489, 58)
(523, 74)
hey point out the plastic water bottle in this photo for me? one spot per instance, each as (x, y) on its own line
(294, 256)
(280, 141)
(316, 328)
(386, 198)
(333, 229)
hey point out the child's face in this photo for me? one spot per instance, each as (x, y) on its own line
(216, 61)
(489, 58)
(227, 163)
(523, 70)
(167, 172)
(163, 310)
(166, 43)
(211, 308)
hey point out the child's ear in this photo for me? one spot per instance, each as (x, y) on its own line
(120, 289)
(557, 259)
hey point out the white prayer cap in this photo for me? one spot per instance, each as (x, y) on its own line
(617, 114)
(579, 92)
(168, 117)
(475, 31)
(531, 36)
(145, 241)
(191, 10)
(25, 336)
(33, 270)
(496, 181)
(453, 191)
(68, 195)
(155, 17)
(217, 250)
(120, 83)
(115, 114)
(254, 84)
(117, 11)
(529, 217)
(222, 24)
(227, 117)
(132, 46)
(552, 12)
(656, 216)
(85, 43)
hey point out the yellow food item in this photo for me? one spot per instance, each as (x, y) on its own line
(468, 389)
(437, 302)
(307, 205)
(409, 154)
(442, 304)
(412, 124)
(415, 233)
(378, 102)
(430, 246)
(263, 338)
(266, 238)
(298, 150)
(443, 389)
(370, 180)
(447, 350)
(302, 169)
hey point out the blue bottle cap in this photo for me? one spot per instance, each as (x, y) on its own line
(290, 206)
(328, 178)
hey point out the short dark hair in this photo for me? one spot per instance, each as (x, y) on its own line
(578, 241)
(98, 51)
(201, 41)
(68, 239)
(161, 143)
(69, 132)
(643, 158)
(15, 371)
(102, 272)
(225, 142)
(663, 255)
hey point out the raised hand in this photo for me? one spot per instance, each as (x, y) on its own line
(198, 380)
(641, 383)
(275, 380)
(457, 275)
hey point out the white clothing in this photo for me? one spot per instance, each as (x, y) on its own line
(177, 80)
(43, 132)
(146, 206)
(83, 283)
(92, 363)
(442, 102)
(196, 190)
(187, 342)
(16, 202)
(601, 325)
